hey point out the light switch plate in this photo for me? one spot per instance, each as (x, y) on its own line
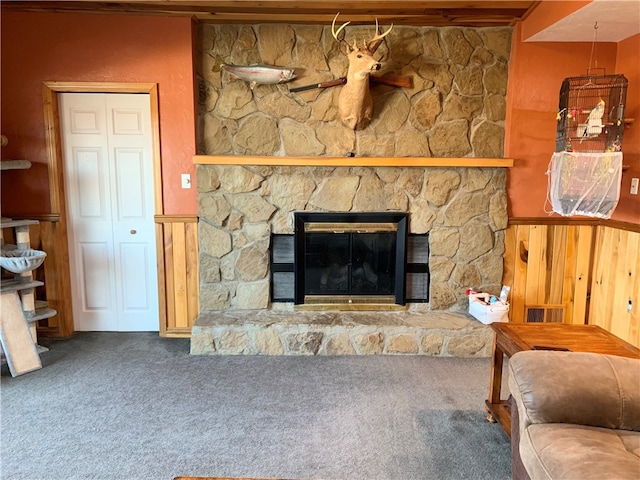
(186, 180)
(634, 186)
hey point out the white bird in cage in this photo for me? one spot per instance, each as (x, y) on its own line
(593, 127)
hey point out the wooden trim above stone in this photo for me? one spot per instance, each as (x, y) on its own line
(620, 225)
(352, 161)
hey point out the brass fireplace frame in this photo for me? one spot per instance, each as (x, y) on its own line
(348, 227)
(345, 222)
(349, 303)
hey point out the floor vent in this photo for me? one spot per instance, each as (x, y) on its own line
(544, 313)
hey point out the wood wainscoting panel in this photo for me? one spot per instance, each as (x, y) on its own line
(548, 264)
(50, 236)
(177, 245)
(589, 267)
(57, 279)
(615, 288)
(577, 285)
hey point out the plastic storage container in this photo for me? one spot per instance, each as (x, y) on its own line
(495, 312)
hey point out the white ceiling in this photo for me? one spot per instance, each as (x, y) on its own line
(616, 19)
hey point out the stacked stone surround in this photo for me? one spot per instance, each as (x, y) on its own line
(463, 210)
(455, 109)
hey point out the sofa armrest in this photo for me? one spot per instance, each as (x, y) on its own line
(575, 387)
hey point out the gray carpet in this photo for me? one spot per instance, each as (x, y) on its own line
(136, 406)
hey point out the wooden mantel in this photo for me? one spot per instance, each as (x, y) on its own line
(351, 161)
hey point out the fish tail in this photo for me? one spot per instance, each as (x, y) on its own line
(218, 63)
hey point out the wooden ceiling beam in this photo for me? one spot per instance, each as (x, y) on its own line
(407, 20)
(399, 12)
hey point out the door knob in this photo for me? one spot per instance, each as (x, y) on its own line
(133, 232)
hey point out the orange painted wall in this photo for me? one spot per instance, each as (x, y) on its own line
(628, 63)
(121, 48)
(536, 72)
(38, 47)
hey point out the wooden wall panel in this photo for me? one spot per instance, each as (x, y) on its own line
(193, 272)
(520, 281)
(536, 251)
(178, 278)
(591, 268)
(546, 265)
(177, 241)
(615, 288)
(556, 261)
(50, 236)
(578, 296)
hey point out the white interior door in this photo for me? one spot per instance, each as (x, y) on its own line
(107, 146)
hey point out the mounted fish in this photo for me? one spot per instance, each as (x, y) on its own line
(256, 74)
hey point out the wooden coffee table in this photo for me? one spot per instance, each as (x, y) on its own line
(511, 338)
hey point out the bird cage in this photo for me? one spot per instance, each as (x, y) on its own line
(586, 170)
(591, 114)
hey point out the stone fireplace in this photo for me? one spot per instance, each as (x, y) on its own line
(307, 161)
(462, 209)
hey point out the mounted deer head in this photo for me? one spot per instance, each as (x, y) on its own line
(354, 103)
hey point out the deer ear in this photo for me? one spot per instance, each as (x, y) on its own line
(345, 48)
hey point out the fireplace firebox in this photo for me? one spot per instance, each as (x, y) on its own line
(350, 258)
(350, 261)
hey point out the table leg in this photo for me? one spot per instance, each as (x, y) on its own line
(496, 380)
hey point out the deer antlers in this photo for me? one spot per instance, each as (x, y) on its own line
(374, 43)
(371, 46)
(335, 32)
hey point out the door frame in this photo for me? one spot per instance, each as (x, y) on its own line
(57, 192)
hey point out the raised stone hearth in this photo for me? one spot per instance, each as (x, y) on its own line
(286, 332)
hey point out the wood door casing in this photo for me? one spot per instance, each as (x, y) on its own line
(61, 281)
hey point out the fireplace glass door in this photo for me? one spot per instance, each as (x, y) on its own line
(350, 264)
(347, 258)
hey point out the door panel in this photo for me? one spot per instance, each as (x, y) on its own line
(94, 269)
(134, 287)
(86, 121)
(89, 183)
(130, 184)
(109, 178)
(127, 122)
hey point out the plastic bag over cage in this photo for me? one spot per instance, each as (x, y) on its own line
(583, 183)
(591, 113)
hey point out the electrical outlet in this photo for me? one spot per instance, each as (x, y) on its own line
(186, 180)
(634, 186)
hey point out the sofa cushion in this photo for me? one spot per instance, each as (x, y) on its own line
(569, 451)
(560, 387)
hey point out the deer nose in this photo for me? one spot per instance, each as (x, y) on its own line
(376, 66)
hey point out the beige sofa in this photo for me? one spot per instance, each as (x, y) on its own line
(575, 416)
